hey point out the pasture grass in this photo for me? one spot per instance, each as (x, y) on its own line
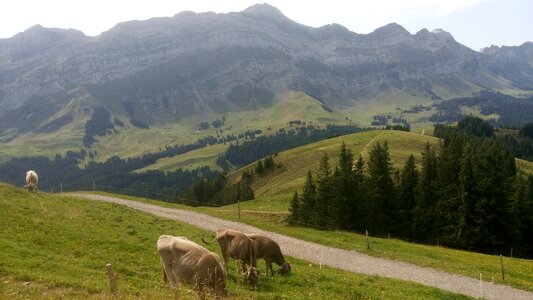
(518, 272)
(191, 160)
(524, 165)
(57, 246)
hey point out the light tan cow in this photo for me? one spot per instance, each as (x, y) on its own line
(31, 180)
(185, 261)
(270, 251)
(238, 246)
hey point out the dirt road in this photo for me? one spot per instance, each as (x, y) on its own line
(351, 261)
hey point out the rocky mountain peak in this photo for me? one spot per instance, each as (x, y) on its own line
(392, 29)
(442, 34)
(264, 10)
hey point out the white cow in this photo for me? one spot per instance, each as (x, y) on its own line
(31, 180)
(185, 261)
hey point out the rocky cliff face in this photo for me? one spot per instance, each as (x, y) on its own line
(164, 68)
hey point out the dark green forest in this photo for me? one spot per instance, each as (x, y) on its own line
(242, 154)
(115, 175)
(466, 193)
(512, 111)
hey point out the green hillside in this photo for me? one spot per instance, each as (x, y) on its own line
(130, 141)
(295, 163)
(206, 156)
(55, 247)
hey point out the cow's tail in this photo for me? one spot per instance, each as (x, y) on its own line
(211, 242)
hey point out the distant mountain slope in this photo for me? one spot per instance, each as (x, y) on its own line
(162, 70)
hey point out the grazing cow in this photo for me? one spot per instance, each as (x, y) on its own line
(31, 180)
(269, 250)
(185, 261)
(238, 246)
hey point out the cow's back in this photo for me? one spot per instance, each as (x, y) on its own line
(31, 177)
(267, 248)
(179, 256)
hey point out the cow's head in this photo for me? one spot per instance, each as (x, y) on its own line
(285, 269)
(251, 276)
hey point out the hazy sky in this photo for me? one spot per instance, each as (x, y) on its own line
(475, 23)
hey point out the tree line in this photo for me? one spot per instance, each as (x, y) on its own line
(114, 175)
(252, 150)
(465, 193)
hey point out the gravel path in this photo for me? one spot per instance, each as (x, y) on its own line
(351, 261)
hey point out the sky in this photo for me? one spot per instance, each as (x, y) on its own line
(474, 23)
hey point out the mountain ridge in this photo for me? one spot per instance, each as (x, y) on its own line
(163, 69)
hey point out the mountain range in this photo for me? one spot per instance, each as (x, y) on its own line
(161, 70)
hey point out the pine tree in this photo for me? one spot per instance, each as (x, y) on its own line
(465, 233)
(294, 210)
(308, 200)
(407, 201)
(357, 209)
(259, 168)
(424, 217)
(449, 200)
(343, 194)
(269, 163)
(496, 175)
(382, 196)
(325, 193)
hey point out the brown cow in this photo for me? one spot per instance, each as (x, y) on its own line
(238, 246)
(269, 250)
(185, 261)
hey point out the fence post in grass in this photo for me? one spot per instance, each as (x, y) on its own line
(112, 279)
(367, 242)
(437, 242)
(239, 208)
(94, 186)
(480, 286)
(321, 257)
(511, 252)
(503, 273)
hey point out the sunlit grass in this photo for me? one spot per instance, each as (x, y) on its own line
(54, 246)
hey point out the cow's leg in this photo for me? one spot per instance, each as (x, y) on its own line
(167, 273)
(269, 267)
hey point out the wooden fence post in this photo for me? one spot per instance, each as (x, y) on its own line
(367, 242)
(481, 286)
(503, 273)
(112, 279)
(239, 208)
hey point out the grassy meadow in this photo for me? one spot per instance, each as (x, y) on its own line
(191, 160)
(54, 246)
(518, 272)
(295, 163)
